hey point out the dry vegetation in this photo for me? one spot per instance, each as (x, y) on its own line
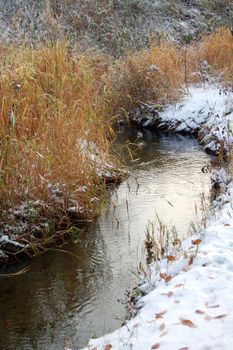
(57, 109)
(217, 50)
(53, 137)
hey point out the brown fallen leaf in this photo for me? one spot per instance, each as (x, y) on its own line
(179, 285)
(107, 347)
(187, 323)
(155, 346)
(227, 225)
(169, 278)
(171, 258)
(177, 301)
(220, 316)
(169, 294)
(162, 327)
(211, 306)
(190, 262)
(160, 314)
(200, 312)
(163, 275)
(164, 333)
(166, 277)
(185, 348)
(196, 241)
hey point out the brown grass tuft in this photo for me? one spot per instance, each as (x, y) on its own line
(217, 50)
(53, 100)
(153, 75)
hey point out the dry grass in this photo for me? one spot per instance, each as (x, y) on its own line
(157, 75)
(54, 98)
(153, 75)
(217, 50)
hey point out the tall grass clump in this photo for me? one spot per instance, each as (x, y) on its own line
(150, 76)
(54, 140)
(217, 50)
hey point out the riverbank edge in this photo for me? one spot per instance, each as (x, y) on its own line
(205, 112)
(32, 240)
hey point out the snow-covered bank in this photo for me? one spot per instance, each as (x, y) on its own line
(188, 302)
(26, 229)
(206, 110)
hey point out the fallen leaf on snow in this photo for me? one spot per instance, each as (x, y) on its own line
(200, 312)
(227, 225)
(211, 306)
(185, 348)
(107, 347)
(169, 294)
(160, 314)
(155, 346)
(196, 241)
(188, 323)
(162, 327)
(220, 316)
(171, 258)
(166, 277)
(164, 333)
(179, 285)
(190, 262)
(177, 301)
(169, 278)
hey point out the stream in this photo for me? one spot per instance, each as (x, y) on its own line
(64, 299)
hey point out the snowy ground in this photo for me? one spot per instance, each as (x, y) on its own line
(189, 301)
(206, 110)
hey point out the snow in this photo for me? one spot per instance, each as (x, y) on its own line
(206, 110)
(5, 239)
(189, 301)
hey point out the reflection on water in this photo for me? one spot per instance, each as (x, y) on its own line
(65, 299)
